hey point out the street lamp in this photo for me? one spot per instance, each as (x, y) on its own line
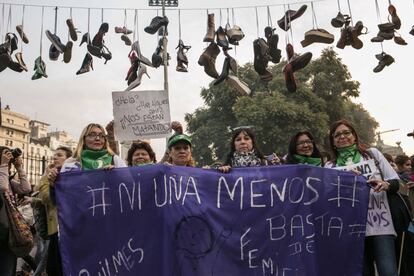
(167, 3)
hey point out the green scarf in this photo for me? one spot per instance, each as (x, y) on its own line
(348, 154)
(144, 164)
(95, 159)
(308, 160)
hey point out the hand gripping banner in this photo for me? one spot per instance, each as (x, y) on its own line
(164, 220)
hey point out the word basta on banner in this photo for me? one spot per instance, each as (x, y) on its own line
(165, 220)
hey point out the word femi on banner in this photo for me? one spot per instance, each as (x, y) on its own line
(165, 220)
(141, 115)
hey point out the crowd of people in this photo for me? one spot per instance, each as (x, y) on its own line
(389, 249)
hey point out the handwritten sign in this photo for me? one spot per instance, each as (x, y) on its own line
(163, 220)
(141, 115)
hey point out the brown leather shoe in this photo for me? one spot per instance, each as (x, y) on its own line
(21, 33)
(394, 17)
(399, 40)
(356, 31)
(290, 15)
(211, 29)
(289, 78)
(317, 36)
(208, 60)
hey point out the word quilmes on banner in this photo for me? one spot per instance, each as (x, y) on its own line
(164, 220)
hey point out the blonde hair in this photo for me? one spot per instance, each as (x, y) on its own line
(190, 163)
(81, 143)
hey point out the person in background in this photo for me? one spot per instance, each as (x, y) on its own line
(140, 153)
(50, 259)
(303, 150)
(390, 160)
(347, 149)
(244, 151)
(8, 188)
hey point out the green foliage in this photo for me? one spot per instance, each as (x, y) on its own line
(323, 96)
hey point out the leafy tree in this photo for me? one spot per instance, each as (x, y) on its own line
(324, 93)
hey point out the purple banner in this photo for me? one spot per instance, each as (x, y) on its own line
(164, 220)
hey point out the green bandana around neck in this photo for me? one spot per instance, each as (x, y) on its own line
(308, 160)
(347, 155)
(95, 159)
(144, 164)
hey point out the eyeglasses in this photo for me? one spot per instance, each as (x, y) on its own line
(345, 133)
(94, 135)
(304, 142)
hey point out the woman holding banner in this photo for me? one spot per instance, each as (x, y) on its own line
(380, 233)
(244, 151)
(140, 154)
(93, 152)
(303, 150)
(179, 146)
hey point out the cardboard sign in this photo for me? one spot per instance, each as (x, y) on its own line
(141, 115)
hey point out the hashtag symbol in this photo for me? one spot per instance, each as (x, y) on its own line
(341, 187)
(95, 195)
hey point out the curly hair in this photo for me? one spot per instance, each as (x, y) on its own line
(140, 145)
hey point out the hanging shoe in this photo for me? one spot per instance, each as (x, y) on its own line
(126, 39)
(234, 34)
(156, 58)
(384, 60)
(40, 69)
(132, 72)
(412, 31)
(299, 61)
(290, 15)
(104, 28)
(141, 71)
(211, 29)
(122, 30)
(394, 17)
(289, 78)
(136, 48)
(87, 64)
(53, 53)
(19, 58)
(261, 59)
(156, 23)
(85, 39)
(21, 33)
(5, 59)
(240, 86)
(182, 60)
(356, 31)
(221, 38)
(12, 41)
(55, 41)
(15, 66)
(73, 32)
(208, 60)
(345, 38)
(399, 40)
(340, 20)
(317, 36)
(224, 72)
(67, 55)
(272, 41)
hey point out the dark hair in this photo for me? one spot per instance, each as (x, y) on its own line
(360, 146)
(252, 136)
(401, 159)
(292, 147)
(67, 151)
(2, 148)
(140, 145)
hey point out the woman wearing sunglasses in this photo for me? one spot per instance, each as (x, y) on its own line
(347, 150)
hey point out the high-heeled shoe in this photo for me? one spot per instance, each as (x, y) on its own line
(156, 58)
(141, 71)
(136, 48)
(224, 72)
(85, 39)
(87, 64)
(19, 58)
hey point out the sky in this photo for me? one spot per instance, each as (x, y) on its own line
(69, 102)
